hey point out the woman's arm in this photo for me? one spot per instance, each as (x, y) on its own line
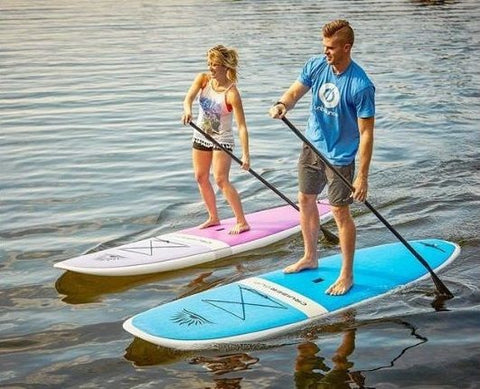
(198, 83)
(234, 99)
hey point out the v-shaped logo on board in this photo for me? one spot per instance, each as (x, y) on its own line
(247, 298)
(148, 248)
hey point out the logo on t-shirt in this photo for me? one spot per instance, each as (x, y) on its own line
(329, 95)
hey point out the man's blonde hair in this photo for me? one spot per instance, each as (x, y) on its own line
(341, 28)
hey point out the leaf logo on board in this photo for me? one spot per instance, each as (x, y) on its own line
(189, 318)
(248, 298)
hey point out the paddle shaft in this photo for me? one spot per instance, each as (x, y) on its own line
(442, 289)
(328, 235)
(239, 161)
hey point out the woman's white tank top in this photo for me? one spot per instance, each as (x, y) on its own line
(214, 117)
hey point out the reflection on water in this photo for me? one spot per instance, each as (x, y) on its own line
(84, 288)
(312, 370)
(143, 353)
(226, 363)
(335, 367)
(206, 280)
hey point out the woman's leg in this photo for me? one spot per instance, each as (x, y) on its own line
(221, 169)
(202, 160)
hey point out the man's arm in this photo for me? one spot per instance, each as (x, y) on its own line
(365, 151)
(296, 91)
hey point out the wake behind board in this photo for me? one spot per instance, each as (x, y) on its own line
(268, 305)
(191, 246)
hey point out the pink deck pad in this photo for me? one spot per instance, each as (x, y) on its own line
(262, 224)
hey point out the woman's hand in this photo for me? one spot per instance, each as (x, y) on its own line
(186, 117)
(245, 162)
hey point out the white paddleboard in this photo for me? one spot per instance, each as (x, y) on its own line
(191, 246)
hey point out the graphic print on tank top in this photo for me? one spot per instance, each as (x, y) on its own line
(212, 111)
(215, 117)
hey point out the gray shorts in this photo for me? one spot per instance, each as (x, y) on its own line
(313, 175)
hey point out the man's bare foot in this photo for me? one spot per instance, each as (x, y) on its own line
(239, 228)
(340, 286)
(302, 264)
(209, 223)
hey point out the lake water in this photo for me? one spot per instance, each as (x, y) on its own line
(92, 155)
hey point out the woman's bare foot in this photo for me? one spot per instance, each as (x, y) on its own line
(239, 228)
(209, 223)
(302, 264)
(341, 286)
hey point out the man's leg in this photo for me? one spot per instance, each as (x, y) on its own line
(347, 235)
(310, 224)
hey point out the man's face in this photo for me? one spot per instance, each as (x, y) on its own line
(335, 50)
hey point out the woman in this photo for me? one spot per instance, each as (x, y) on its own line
(219, 101)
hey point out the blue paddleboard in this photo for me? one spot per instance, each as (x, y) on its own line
(274, 303)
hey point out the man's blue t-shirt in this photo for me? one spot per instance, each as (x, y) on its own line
(337, 102)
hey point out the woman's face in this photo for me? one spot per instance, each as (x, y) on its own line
(217, 70)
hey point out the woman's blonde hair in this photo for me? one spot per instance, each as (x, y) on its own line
(225, 57)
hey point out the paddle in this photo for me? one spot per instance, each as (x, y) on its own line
(329, 236)
(442, 289)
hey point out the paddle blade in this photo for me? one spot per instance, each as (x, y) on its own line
(441, 287)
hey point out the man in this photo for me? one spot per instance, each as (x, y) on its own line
(340, 125)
